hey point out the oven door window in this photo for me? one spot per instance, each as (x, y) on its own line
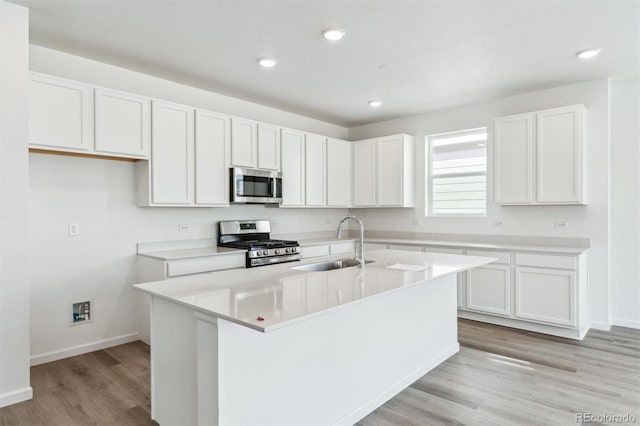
(254, 186)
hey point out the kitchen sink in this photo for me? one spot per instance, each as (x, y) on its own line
(327, 266)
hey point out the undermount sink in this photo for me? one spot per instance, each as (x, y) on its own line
(327, 266)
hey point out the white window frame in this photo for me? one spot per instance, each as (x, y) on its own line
(429, 175)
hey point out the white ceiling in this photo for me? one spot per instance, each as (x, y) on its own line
(438, 53)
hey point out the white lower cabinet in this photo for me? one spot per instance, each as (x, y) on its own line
(537, 291)
(546, 295)
(489, 289)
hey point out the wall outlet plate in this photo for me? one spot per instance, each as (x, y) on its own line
(183, 227)
(81, 312)
(74, 229)
(564, 224)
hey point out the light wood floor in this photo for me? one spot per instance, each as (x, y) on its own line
(501, 376)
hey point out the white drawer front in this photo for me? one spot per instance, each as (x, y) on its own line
(374, 246)
(503, 256)
(314, 251)
(205, 264)
(404, 247)
(433, 249)
(546, 261)
(339, 248)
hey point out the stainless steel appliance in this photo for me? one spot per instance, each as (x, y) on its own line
(255, 186)
(254, 236)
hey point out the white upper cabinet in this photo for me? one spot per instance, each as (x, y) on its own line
(383, 172)
(172, 154)
(122, 123)
(538, 157)
(212, 142)
(60, 114)
(315, 170)
(390, 171)
(559, 165)
(364, 173)
(338, 173)
(513, 160)
(293, 168)
(244, 143)
(268, 147)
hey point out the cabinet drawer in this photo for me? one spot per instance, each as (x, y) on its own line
(339, 248)
(546, 261)
(503, 256)
(432, 249)
(404, 247)
(314, 251)
(205, 264)
(374, 246)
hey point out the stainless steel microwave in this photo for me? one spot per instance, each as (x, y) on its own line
(255, 186)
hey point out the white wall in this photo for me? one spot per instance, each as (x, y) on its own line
(625, 202)
(14, 275)
(589, 221)
(99, 195)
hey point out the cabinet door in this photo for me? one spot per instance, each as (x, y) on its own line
(122, 123)
(546, 295)
(489, 289)
(60, 114)
(211, 169)
(364, 173)
(268, 147)
(559, 154)
(315, 169)
(513, 159)
(338, 173)
(244, 143)
(172, 154)
(390, 167)
(292, 163)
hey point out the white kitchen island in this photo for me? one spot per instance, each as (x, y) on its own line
(279, 346)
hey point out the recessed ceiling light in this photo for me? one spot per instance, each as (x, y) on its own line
(333, 34)
(267, 62)
(375, 104)
(588, 53)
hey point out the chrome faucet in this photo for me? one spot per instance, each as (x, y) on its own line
(360, 256)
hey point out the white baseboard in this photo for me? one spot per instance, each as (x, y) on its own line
(18, 395)
(83, 349)
(597, 325)
(362, 411)
(625, 323)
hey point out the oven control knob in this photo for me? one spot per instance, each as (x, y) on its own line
(278, 251)
(287, 250)
(264, 252)
(260, 253)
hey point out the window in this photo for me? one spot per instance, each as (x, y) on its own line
(457, 173)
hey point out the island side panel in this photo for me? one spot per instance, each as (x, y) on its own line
(173, 363)
(335, 368)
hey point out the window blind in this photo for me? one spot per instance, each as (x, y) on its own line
(458, 173)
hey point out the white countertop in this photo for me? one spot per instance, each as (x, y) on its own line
(190, 253)
(479, 245)
(284, 296)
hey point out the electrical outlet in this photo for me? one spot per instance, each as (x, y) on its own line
(81, 312)
(276, 224)
(564, 224)
(183, 227)
(498, 222)
(74, 229)
(416, 222)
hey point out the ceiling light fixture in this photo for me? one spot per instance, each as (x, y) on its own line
(333, 34)
(267, 62)
(588, 53)
(375, 104)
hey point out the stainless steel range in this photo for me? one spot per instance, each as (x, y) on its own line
(254, 236)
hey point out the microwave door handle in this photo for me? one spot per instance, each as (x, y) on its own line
(274, 187)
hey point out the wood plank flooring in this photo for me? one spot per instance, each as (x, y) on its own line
(501, 376)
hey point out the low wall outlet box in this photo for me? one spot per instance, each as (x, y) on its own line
(81, 312)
